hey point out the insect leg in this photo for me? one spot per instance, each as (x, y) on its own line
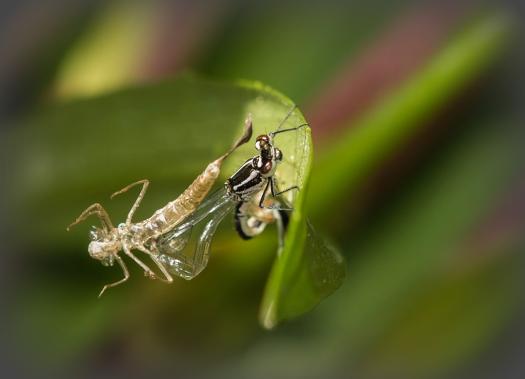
(274, 194)
(274, 188)
(147, 271)
(126, 276)
(95, 209)
(145, 184)
(167, 277)
(281, 230)
(286, 190)
(263, 196)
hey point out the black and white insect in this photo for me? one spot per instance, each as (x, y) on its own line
(252, 191)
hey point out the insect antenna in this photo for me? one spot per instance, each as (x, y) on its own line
(279, 130)
(289, 129)
(292, 109)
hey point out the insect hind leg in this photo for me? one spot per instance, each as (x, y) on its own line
(282, 220)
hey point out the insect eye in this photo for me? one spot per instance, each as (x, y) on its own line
(262, 141)
(266, 168)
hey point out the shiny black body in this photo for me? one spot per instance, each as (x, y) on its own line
(256, 176)
(245, 182)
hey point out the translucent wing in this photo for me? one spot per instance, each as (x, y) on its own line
(211, 204)
(327, 266)
(175, 241)
(188, 263)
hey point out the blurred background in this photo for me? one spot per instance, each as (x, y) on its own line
(430, 220)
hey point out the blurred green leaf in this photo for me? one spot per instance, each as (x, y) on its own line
(346, 162)
(74, 154)
(468, 306)
(408, 252)
(45, 315)
(107, 55)
(290, 45)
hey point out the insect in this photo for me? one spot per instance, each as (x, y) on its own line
(108, 241)
(247, 191)
(251, 220)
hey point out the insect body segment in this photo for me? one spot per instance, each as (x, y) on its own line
(174, 212)
(107, 242)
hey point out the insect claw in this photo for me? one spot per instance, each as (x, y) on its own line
(103, 290)
(71, 225)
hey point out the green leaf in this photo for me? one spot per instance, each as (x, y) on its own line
(410, 249)
(73, 154)
(469, 306)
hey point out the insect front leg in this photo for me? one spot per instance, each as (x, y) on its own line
(145, 184)
(263, 196)
(167, 277)
(94, 209)
(275, 194)
(126, 276)
(274, 188)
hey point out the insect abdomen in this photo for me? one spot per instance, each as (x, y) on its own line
(166, 218)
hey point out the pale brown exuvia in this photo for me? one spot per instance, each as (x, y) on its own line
(107, 242)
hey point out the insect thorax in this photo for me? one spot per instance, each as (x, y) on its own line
(245, 182)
